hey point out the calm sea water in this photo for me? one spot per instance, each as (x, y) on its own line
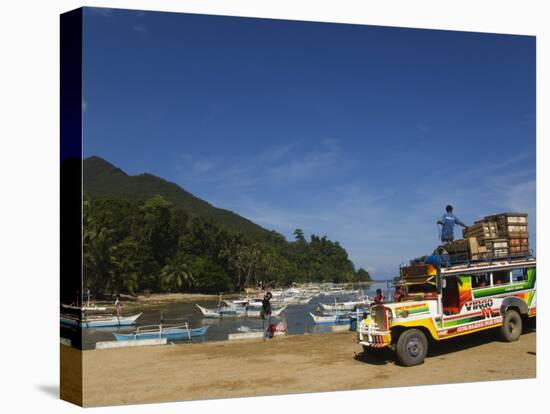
(297, 318)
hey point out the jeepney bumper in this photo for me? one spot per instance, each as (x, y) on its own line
(369, 336)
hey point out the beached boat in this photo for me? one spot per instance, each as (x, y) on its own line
(296, 300)
(331, 319)
(172, 333)
(235, 312)
(333, 291)
(87, 308)
(100, 321)
(350, 305)
(254, 303)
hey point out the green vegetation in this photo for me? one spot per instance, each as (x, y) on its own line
(133, 244)
(104, 179)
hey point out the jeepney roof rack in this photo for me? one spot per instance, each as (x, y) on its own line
(457, 260)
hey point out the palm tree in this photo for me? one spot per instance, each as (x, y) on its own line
(176, 273)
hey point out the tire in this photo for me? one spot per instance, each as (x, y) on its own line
(412, 347)
(512, 325)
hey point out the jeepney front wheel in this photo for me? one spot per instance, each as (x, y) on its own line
(512, 326)
(412, 347)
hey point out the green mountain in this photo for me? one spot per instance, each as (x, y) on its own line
(102, 178)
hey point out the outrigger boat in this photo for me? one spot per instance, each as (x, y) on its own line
(99, 321)
(296, 300)
(239, 303)
(169, 332)
(338, 319)
(225, 312)
(84, 308)
(343, 306)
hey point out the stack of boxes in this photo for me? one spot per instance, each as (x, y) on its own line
(466, 249)
(499, 235)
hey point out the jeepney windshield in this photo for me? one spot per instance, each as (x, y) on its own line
(420, 291)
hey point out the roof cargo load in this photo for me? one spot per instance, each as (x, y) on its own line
(497, 235)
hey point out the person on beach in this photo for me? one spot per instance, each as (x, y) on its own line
(118, 306)
(399, 294)
(448, 223)
(379, 297)
(266, 310)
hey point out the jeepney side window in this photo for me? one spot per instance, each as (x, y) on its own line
(480, 280)
(519, 275)
(501, 277)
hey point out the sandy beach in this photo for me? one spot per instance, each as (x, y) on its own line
(293, 364)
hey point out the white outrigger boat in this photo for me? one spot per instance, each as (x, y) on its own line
(235, 312)
(240, 303)
(337, 319)
(346, 306)
(99, 321)
(296, 300)
(86, 308)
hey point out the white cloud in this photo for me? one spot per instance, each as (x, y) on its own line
(379, 225)
(101, 11)
(139, 28)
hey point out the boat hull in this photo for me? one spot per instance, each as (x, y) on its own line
(330, 320)
(101, 323)
(173, 334)
(236, 312)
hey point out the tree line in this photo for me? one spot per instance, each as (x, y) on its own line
(132, 247)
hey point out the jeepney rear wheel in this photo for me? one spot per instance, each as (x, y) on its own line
(512, 325)
(412, 347)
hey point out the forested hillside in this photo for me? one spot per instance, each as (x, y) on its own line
(138, 239)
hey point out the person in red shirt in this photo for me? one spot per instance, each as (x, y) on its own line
(399, 294)
(379, 297)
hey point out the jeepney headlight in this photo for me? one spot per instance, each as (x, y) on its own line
(404, 313)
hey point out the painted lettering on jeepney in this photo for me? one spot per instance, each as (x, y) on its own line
(416, 306)
(478, 304)
(477, 325)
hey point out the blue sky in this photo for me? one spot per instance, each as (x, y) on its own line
(360, 133)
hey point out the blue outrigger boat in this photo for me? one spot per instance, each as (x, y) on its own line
(172, 333)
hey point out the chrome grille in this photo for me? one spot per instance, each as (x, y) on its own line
(378, 313)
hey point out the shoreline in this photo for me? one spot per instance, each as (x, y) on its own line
(155, 299)
(288, 365)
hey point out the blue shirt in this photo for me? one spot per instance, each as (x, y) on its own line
(448, 231)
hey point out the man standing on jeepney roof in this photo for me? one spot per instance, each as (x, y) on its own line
(448, 223)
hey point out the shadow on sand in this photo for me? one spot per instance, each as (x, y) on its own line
(449, 346)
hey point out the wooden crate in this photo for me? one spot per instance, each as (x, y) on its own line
(519, 250)
(481, 230)
(509, 218)
(515, 242)
(497, 247)
(511, 224)
(496, 244)
(503, 252)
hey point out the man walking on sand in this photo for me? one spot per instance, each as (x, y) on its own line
(448, 223)
(266, 310)
(118, 306)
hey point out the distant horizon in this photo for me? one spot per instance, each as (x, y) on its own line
(360, 133)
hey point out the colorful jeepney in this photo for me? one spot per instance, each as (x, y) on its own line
(464, 299)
